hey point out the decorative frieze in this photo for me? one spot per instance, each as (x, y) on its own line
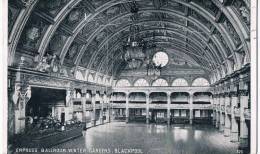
(26, 3)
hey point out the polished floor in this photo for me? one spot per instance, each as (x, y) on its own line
(149, 139)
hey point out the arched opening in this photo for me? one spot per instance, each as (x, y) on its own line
(180, 113)
(123, 83)
(137, 110)
(200, 82)
(118, 101)
(180, 82)
(158, 107)
(160, 83)
(141, 83)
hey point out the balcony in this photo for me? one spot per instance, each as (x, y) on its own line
(202, 106)
(180, 106)
(77, 108)
(228, 109)
(89, 106)
(119, 105)
(137, 105)
(105, 105)
(158, 106)
(98, 106)
(237, 112)
(247, 113)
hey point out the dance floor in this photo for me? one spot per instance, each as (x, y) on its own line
(130, 138)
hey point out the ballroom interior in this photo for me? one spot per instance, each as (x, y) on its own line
(87, 73)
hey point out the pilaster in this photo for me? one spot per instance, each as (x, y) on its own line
(93, 101)
(147, 108)
(127, 108)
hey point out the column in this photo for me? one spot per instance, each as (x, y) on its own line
(93, 116)
(234, 124)
(243, 127)
(102, 108)
(83, 103)
(127, 108)
(214, 111)
(217, 119)
(168, 108)
(20, 98)
(109, 110)
(147, 108)
(227, 119)
(217, 112)
(222, 117)
(191, 108)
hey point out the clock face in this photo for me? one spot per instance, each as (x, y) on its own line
(160, 59)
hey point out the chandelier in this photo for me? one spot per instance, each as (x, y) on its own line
(153, 69)
(134, 54)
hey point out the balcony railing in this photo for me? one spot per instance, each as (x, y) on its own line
(137, 105)
(119, 105)
(180, 106)
(237, 111)
(98, 106)
(228, 109)
(247, 113)
(77, 108)
(202, 106)
(158, 106)
(89, 106)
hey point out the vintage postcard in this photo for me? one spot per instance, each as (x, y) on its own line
(130, 76)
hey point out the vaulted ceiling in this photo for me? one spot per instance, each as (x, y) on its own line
(213, 34)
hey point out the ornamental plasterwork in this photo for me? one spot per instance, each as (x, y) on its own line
(48, 81)
(232, 31)
(27, 3)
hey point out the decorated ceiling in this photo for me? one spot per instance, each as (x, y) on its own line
(212, 35)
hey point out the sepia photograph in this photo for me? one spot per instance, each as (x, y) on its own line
(131, 77)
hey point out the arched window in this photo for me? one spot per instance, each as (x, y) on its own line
(90, 78)
(200, 82)
(179, 82)
(99, 80)
(107, 82)
(141, 83)
(79, 75)
(123, 83)
(160, 82)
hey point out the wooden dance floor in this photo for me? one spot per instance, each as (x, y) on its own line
(149, 139)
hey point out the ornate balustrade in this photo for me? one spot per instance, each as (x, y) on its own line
(89, 106)
(105, 105)
(247, 113)
(137, 105)
(158, 106)
(237, 112)
(77, 108)
(180, 106)
(202, 106)
(118, 105)
(98, 106)
(228, 109)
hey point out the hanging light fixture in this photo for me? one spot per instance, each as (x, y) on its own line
(134, 55)
(153, 68)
